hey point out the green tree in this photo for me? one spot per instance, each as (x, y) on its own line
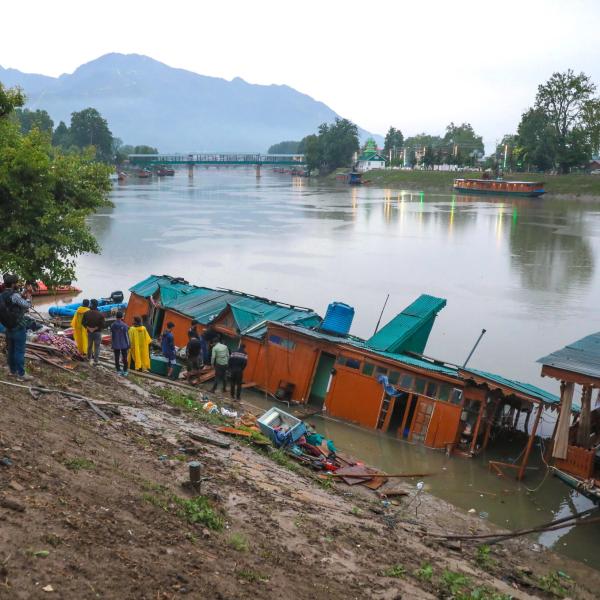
(470, 145)
(28, 119)
(428, 158)
(394, 141)
(536, 141)
(88, 128)
(287, 147)
(337, 144)
(311, 150)
(61, 136)
(10, 99)
(45, 198)
(567, 101)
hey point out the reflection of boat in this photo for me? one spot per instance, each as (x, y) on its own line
(499, 187)
(41, 289)
(144, 173)
(122, 176)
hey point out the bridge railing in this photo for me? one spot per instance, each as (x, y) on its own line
(215, 158)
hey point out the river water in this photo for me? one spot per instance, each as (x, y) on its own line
(526, 270)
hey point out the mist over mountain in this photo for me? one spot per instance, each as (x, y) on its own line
(148, 102)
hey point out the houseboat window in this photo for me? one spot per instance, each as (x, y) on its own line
(394, 377)
(456, 396)
(351, 363)
(368, 369)
(419, 385)
(279, 341)
(444, 392)
(431, 389)
(275, 339)
(381, 371)
(406, 382)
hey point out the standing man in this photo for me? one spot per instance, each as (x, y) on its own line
(119, 334)
(220, 360)
(168, 349)
(237, 363)
(79, 331)
(93, 321)
(195, 358)
(193, 330)
(14, 304)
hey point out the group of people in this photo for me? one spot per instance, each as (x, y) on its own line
(131, 346)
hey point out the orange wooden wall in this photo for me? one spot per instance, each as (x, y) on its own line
(443, 427)
(136, 307)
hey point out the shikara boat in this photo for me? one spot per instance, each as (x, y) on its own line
(499, 187)
(41, 289)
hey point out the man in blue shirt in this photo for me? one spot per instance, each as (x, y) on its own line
(119, 334)
(168, 348)
(17, 304)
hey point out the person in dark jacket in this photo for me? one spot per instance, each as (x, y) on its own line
(168, 349)
(93, 321)
(237, 363)
(195, 358)
(119, 334)
(18, 303)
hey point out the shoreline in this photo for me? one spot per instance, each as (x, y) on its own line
(562, 187)
(102, 497)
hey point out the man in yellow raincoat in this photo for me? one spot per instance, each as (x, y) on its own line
(139, 351)
(79, 331)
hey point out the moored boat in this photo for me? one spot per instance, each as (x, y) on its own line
(108, 306)
(164, 171)
(499, 187)
(41, 289)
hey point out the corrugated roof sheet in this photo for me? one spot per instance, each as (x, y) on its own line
(582, 356)
(394, 336)
(524, 388)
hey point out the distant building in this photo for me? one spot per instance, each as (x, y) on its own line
(370, 158)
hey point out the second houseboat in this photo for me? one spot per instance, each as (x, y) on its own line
(499, 187)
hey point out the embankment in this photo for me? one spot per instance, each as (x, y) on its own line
(96, 509)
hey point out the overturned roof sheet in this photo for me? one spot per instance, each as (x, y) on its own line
(582, 356)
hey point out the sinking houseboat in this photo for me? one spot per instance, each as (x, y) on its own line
(499, 187)
(385, 382)
(574, 451)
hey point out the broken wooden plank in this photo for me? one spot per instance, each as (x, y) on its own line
(234, 431)
(208, 440)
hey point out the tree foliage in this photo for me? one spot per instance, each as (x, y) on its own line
(465, 138)
(10, 99)
(89, 128)
(333, 146)
(30, 119)
(286, 147)
(394, 142)
(45, 197)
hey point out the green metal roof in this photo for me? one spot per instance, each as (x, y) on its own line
(582, 356)
(148, 286)
(409, 330)
(371, 156)
(524, 388)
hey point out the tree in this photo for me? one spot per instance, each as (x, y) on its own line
(10, 100)
(506, 152)
(311, 151)
(536, 141)
(428, 158)
(88, 128)
(468, 144)
(61, 136)
(337, 144)
(45, 198)
(28, 119)
(287, 147)
(573, 113)
(394, 141)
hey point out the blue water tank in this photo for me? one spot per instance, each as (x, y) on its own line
(338, 318)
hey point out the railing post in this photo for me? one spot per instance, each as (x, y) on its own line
(257, 170)
(191, 170)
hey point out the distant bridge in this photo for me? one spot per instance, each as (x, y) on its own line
(217, 159)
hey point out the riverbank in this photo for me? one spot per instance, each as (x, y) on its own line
(577, 185)
(94, 508)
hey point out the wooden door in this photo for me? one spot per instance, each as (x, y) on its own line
(421, 419)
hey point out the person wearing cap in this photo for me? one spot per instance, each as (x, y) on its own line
(237, 363)
(93, 321)
(167, 345)
(139, 341)
(119, 334)
(18, 303)
(79, 331)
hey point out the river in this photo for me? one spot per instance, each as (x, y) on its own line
(523, 269)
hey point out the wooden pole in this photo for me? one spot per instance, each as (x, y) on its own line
(476, 430)
(583, 431)
(525, 460)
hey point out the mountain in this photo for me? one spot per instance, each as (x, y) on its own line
(148, 102)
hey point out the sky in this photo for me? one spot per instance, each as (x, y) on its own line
(416, 66)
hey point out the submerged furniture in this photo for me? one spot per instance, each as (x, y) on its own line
(281, 427)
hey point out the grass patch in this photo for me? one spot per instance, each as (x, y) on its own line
(455, 583)
(190, 405)
(459, 587)
(78, 464)
(424, 572)
(252, 576)
(238, 542)
(283, 460)
(197, 510)
(397, 571)
(357, 512)
(326, 484)
(483, 557)
(554, 583)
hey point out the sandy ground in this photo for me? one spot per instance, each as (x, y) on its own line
(93, 509)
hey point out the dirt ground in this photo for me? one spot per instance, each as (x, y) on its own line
(96, 509)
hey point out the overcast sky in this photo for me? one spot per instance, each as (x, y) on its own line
(413, 65)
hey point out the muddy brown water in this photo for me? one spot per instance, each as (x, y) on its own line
(524, 269)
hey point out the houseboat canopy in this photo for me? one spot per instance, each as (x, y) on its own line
(409, 330)
(582, 357)
(249, 312)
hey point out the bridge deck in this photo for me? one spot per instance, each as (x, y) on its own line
(217, 159)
